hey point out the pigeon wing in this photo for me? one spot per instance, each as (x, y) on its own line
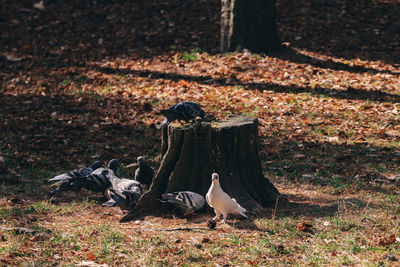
(114, 200)
(193, 109)
(239, 209)
(208, 199)
(78, 173)
(186, 201)
(183, 112)
(132, 196)
(197, 200)
(97, 181)
(224, 203)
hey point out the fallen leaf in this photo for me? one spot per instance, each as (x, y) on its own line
(90, 256)
(304, 227)
(382, 133)
(39, 5)
(385, 241)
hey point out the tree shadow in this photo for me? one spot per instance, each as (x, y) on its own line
(350, 93)
(81, 31)
(36, 127)
(303, 207)
(247, 224)
(76, 34)
(363, 29)
(294, 56)
(45, 135)
(52, 132)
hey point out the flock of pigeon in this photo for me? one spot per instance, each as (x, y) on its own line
(125, 193)
(122, 192)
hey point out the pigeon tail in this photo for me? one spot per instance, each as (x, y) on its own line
(95, 165)
(61, 177)
(163, 124)
(109, 203)
(240, 209)
(132, 196)
(244, 215)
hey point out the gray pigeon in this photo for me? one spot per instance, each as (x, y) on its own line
(186, 202)
(185, 110)
(125, 193)
(144, 174)
(95, 181)
(221, 202)
(78, 173)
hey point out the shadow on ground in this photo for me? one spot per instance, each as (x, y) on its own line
(46, 135)
(350, 93)
(340, 28)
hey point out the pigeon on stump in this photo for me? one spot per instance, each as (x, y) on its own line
(95, 181)
(125, 192)
(221, 202)
(185, 110)
(186, 202)
(144, 174)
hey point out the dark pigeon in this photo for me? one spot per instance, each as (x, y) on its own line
(95, 180)
(144, 174)
(185, 110)
(125, 193)
(78, 173)
(185, 202)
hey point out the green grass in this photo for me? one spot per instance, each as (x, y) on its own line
(350, 236)
(190, 56)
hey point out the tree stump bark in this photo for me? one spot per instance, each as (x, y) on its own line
(192, 153)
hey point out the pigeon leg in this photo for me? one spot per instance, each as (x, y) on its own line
(225, 215)
(218, 213)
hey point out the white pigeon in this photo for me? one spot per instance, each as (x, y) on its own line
(221, 202)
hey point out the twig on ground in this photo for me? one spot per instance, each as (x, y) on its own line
(276, 207)
(185, 229)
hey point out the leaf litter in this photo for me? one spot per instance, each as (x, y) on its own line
(74, 90)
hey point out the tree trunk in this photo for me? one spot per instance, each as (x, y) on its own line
(249, 24)
(192, 153)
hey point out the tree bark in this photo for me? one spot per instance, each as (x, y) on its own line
(249, 24)
(192, 153)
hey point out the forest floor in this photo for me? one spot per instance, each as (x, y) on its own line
(84, 80)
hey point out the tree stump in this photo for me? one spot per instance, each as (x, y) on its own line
(192, 153)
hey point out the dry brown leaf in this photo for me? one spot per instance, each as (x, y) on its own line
(304, 227)
(90, 256)
(386, 241)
